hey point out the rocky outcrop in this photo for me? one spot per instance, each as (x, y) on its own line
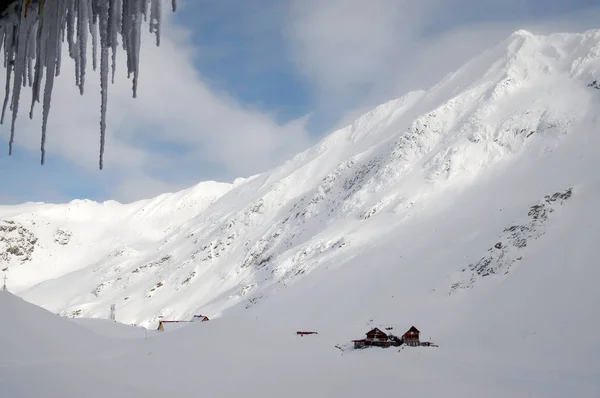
(17, 243)
(62, 237)
(512, 242)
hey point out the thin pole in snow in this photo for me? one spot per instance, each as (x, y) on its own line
(112, 316)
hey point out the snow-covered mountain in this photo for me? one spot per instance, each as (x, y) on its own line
(469, 210)
(430, 195)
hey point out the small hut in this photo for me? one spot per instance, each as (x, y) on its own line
(360, 343)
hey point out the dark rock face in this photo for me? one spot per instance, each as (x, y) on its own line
(512, 242)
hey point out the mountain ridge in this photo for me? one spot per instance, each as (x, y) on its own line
(236, 244)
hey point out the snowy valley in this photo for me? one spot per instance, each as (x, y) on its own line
(468, 210)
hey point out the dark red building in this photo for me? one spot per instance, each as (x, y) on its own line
(377, 338)
(411, 337)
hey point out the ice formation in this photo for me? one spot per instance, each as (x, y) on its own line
(32, 34)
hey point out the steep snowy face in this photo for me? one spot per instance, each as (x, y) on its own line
(395, 169)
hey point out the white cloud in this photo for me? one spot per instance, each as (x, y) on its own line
(347, 46)
(176, 126)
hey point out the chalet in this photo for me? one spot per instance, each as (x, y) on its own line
(411, 337)
(200, 318)
(377, 338)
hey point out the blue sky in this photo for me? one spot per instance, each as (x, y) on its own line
(238, 87)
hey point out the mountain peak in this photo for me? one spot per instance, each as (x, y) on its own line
(522, 33)
(217, 246)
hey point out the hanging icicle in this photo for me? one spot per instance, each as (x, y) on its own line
(31, 36)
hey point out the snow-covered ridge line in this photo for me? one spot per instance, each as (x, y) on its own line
(35, 33)
(367, 187)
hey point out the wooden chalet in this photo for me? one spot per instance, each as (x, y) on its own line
(411, 337)
(200, 318)
(377, 338)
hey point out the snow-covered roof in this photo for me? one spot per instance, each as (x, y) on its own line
(412, 329)
(172, 325)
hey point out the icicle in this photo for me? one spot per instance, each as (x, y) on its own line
(155, 18)
(71, 6)
(126, 32)
(114, 24)
(43, 38)
(8, 61)
(71, 18)
(27, 4)
(6, 45)
(94, 33)
(137, 36)
(58, 63)
(52, 55)
(61, 20)
(104, 23)
(32, 34)
(74, 49)
(39, 70)
(24, 30)
(1, 37)
(83, 22)
(40, 56)
(31, 51)
(144, 9)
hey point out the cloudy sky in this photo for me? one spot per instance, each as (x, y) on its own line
(238, 87)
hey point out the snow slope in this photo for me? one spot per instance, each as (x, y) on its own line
(32, 334)
(488, 142)
(112, 329)
(468, 210)
(484, 354)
